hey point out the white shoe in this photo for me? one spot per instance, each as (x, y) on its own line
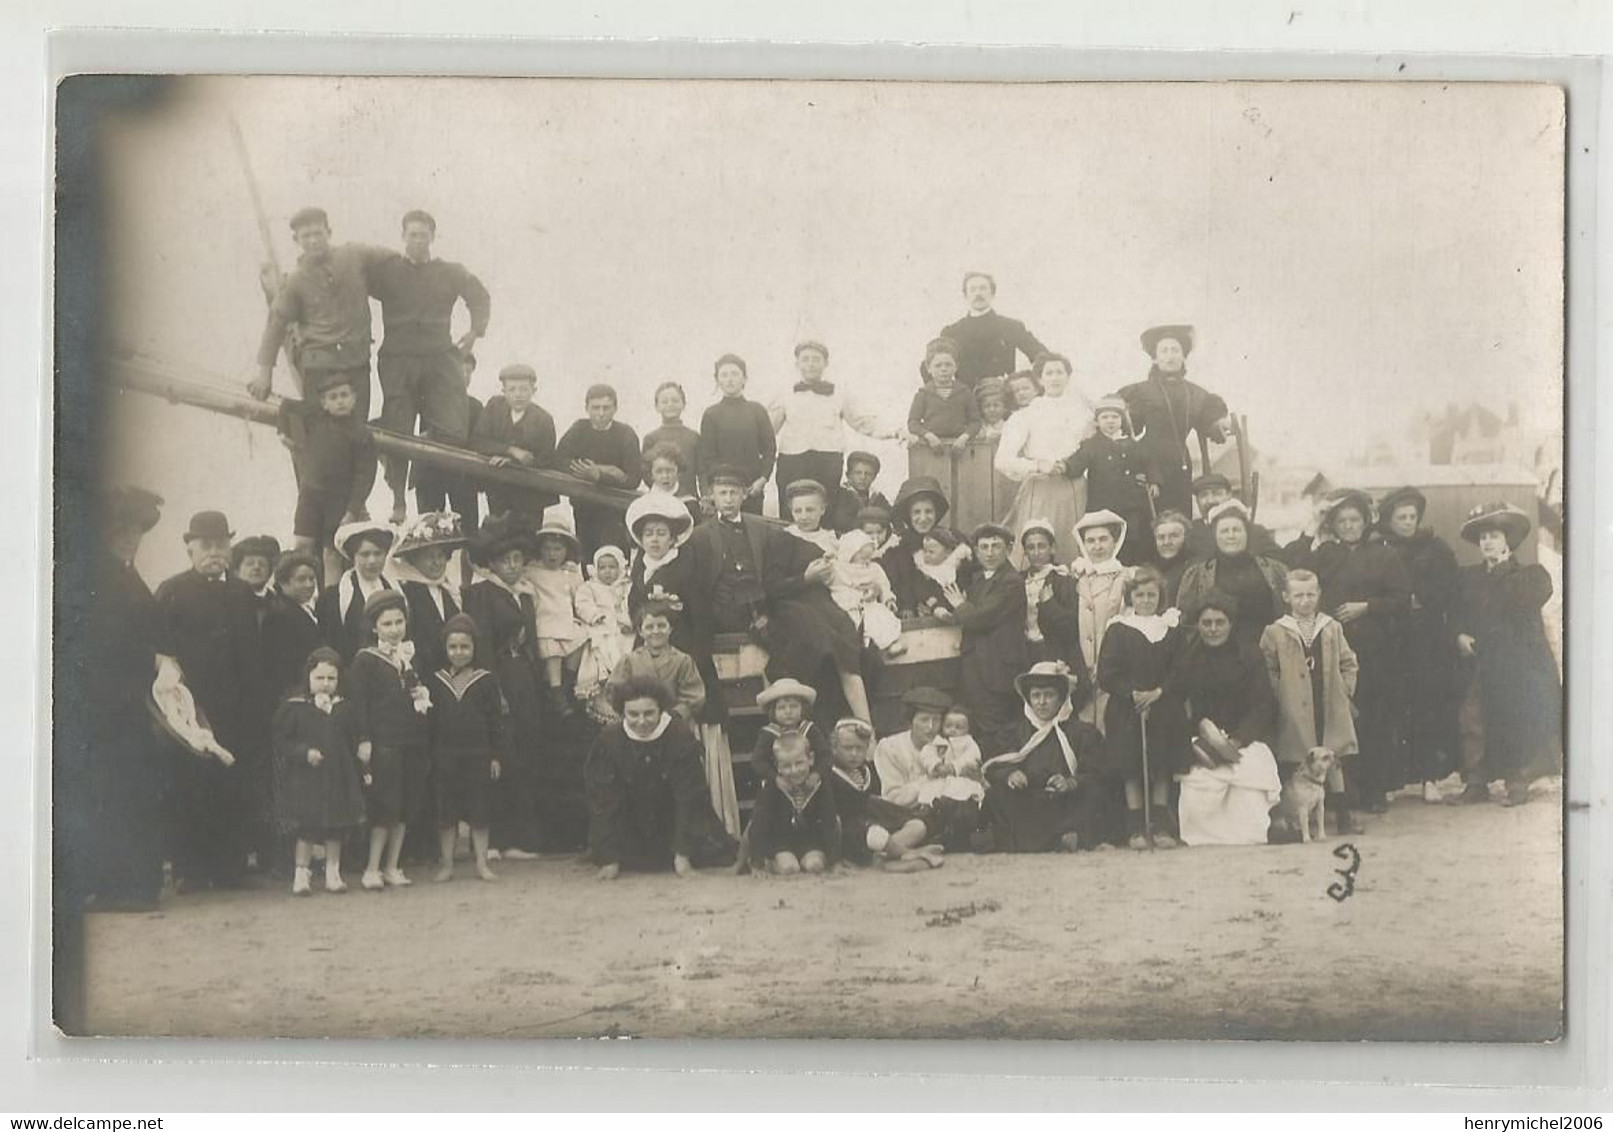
(301, 883)
(1431, 794)
(371, 881)
(396, 879)
(494, 855)
(515, 855)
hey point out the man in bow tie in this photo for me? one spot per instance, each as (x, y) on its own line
(809, 422)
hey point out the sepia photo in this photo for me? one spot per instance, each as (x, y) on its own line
(547, 558)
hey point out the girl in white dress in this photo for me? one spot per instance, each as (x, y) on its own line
(1031, 452)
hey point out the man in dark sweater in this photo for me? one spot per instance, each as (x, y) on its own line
(418, 361)
(736, 433)
(988, 341)
(327, 299)
(602, 449)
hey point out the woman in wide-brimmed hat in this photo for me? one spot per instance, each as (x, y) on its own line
(1365, 586)
(920, 507)
(1516, 690)
(365, 543)
(1032, 450)
(1038, 795)
(1100, 580)
(1428, 715)
(503, 605)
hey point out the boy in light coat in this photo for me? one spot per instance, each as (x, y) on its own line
(1313, 672)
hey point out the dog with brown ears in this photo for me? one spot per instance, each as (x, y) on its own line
(1305, 794)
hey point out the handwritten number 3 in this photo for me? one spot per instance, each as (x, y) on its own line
(1342, 889)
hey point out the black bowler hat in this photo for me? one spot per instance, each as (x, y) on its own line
(208, 524)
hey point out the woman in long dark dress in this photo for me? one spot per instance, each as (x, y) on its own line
(1039, 797)
(808, 634)
(1498, 624)
(648, 806)
(1226, 799)
(1428, 718)
(1138, 650)
(505, 609)
(111, 782)
(1365, 586)
(291, 628)
(1254, 581)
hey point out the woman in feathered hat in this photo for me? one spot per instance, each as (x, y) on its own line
(1428, 718)
(420, 560)
(1516, 690)
(1365, 587)
(1039, 796)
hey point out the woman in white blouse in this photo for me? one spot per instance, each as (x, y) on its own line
(1031, 452)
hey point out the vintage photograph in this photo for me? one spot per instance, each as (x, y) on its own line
(547, 558)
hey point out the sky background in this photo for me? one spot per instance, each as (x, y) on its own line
(1350, 253)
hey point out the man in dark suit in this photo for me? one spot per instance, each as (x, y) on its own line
(210, 620)
(988, 341)
(730, 553)
(1209, 492)
(992, 615)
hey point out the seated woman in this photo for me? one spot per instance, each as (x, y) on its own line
(915, 771)
(809, 636)
(648, 804)
(1037, 796)
(1226, 798)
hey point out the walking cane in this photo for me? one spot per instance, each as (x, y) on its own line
(1153, 513)
(1148, 792)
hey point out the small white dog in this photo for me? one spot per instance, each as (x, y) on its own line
(1305, 795)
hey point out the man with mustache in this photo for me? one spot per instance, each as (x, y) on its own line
(210, 619)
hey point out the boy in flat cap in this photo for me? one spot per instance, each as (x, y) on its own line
(862, 468)
(336, 463)
(512, 429)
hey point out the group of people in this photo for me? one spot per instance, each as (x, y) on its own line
(1129, 675)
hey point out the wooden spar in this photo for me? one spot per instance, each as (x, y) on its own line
(141, 375)
(271, 277)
